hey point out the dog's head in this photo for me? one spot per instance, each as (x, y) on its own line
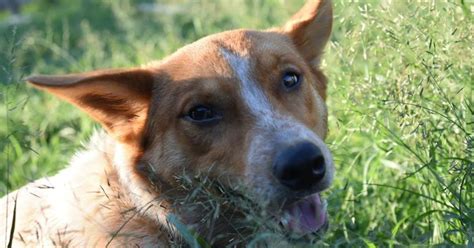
(243, 105)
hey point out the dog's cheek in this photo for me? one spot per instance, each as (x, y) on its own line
(320, 126)
(163, 161)
(196, 141)
(221, 155)
(318, 94)
(310, 107)
(232, 149)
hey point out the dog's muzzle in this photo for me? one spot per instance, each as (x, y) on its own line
(300, 167)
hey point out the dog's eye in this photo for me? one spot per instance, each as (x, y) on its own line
(291, 80)
(202, 115)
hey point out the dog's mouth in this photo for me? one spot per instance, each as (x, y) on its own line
(305, 216)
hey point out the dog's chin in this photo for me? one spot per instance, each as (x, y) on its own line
(305, 216)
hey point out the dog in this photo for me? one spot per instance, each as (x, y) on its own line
(244, 107)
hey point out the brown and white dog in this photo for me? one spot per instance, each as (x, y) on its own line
(244, 106)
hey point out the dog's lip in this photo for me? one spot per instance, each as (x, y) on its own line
(306, 215)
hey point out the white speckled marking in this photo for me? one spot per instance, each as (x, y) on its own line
(251, 92)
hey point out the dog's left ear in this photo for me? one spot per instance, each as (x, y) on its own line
(310, 29)
(118, 99)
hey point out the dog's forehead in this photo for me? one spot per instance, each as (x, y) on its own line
(207, 57)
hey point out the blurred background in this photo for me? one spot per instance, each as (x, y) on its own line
(400, 99)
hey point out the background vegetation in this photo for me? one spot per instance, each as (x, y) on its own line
(400, 100)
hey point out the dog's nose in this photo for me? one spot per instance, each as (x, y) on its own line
(299, 166)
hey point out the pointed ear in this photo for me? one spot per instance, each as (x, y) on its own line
(310, 29)
(118, 99)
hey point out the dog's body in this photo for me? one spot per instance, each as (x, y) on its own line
(245, 107)
(79, 207)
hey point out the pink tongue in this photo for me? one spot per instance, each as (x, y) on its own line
(306, 216)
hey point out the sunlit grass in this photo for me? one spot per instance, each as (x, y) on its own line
(400, 100)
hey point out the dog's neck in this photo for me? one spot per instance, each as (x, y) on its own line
(144, 203)
(147, 201)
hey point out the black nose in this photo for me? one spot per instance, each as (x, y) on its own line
(299, 166)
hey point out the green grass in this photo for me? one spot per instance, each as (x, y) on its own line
(400, 100)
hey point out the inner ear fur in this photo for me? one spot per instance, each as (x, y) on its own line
(310, 29)
(118, 99)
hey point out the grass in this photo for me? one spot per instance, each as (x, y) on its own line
(400, 100)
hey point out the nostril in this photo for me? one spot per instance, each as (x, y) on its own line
(319, 167)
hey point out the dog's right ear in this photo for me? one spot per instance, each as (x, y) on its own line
(310, 29)
(118, 99)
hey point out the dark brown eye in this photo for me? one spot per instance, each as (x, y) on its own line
(291, 79)
(201, 114)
